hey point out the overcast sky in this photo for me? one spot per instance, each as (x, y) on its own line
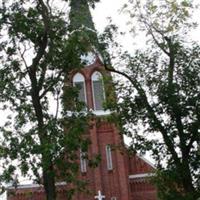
(110, 8)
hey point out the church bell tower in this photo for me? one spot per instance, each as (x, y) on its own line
(110, 177)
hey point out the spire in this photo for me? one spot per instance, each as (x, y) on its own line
(80, 15)
(82, 29)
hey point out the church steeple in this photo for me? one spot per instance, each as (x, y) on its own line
(83, 32)
(80, 15)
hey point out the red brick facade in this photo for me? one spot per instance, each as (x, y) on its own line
(126, 180)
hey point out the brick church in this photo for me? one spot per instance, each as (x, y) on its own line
(119, 175)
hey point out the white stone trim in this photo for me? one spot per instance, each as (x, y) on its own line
(144, 175)
(29, 186)
(95, 112)
(144, 159)
(101, 112)
(147, 161)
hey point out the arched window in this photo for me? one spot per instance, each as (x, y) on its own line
(79, 81)
(98, 90)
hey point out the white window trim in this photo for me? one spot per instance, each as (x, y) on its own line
(79, 78)
(96, 76)
(109, 157)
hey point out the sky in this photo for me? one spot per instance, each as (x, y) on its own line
(110, 8)
(105, 9)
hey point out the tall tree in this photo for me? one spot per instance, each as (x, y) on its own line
(38, 51)
(161, 94)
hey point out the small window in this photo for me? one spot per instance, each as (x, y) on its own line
(109, 157)
(79, 81)
(98, 90)
(113, 198)
(83, 162)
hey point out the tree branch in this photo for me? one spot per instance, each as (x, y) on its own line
(33, 68)
(195, 135)
(149, 27)
(156, 41)
(51, 85)
(150, 110)
(44, 38)
(176, 111)
(171, 63)
(42, 77)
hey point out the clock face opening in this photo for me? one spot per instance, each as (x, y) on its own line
(88, 58)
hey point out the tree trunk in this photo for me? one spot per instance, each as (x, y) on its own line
(47, 164)
(186, 179)
(49, 182)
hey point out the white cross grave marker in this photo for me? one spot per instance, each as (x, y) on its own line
(99, 196)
